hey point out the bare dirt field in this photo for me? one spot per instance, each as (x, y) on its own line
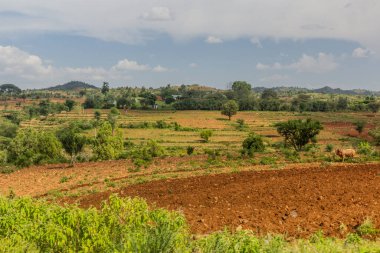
(296, 202)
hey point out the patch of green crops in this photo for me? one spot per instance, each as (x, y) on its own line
(128, 225)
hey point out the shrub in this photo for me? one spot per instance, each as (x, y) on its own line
(122, 225)
(253, 143)
(107, 146)
(359, 126)
(3, 157)
(365, 148)
(190, 150)
(8, 129)
(206, 134)
(375, 134)
(329, 148)
(34, 147)
(298, 133)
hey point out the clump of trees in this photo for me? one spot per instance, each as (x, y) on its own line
(72, 140)
(298, 133)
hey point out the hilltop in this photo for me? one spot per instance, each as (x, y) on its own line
(73, 85)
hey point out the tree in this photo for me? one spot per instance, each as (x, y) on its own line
(34, 147)
(230, 108)
(374, 107)
(298, 133)
(269, 94)
(72, 141)
(112, 118)
(98, 117)
(206, 134)
(69, 103)
(105, 88)
(107, 146)
(253, 143)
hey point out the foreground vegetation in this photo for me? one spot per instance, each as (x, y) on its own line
(128, 225)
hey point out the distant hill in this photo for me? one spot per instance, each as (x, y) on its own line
(323, 90)
(73, 85)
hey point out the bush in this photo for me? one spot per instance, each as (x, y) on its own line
(253, 143)
(206, 134)
(375, 134)
(190, 150)
(122, 225)
(34, 147)
(3, 157)
(329, 148)
(107, 146)
(8, 129)
(359, 126)
(298, 133)
(364, 148)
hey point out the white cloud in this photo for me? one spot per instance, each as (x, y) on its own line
(242, 19)
(213, 40)
(255, 41)
(158, 14)
(130, 65)
(14, 61)
(160, 69)
(193, 65)
(361, 52)
(320, 64)
(22, 67)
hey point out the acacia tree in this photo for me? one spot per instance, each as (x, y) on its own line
(230, 108)
(298, 133)
(72, 141)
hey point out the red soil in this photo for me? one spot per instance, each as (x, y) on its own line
(296, 202)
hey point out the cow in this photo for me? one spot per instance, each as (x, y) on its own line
(342, 153)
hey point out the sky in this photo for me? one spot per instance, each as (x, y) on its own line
(151, 43)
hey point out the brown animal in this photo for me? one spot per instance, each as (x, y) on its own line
(342, 153)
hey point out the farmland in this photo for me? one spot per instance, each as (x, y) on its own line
(214, 185)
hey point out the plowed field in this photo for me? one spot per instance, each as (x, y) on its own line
(295, 202)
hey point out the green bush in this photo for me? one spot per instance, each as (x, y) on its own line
(206, 134)
(253, 143)
(359, 126)
(375, 134)
(365, 148)
(122, 225)
(32, 146)
(8, 129)
(107, 146)
(3, 157)
(329, 148)
(298, 133)
(190, 150)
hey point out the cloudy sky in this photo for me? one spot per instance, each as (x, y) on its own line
(309, 43)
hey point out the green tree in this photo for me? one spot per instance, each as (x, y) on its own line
(34, 147)
(206, 134)
(375, 134)
(105, 88)
(113, 116)
(374, 107)
(230, 108)
(107, 146)
(72, 141)
(69, 103)
(298, 133)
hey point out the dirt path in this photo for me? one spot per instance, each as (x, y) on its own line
(296, 202)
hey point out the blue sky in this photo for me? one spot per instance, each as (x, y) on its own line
(153, 43)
